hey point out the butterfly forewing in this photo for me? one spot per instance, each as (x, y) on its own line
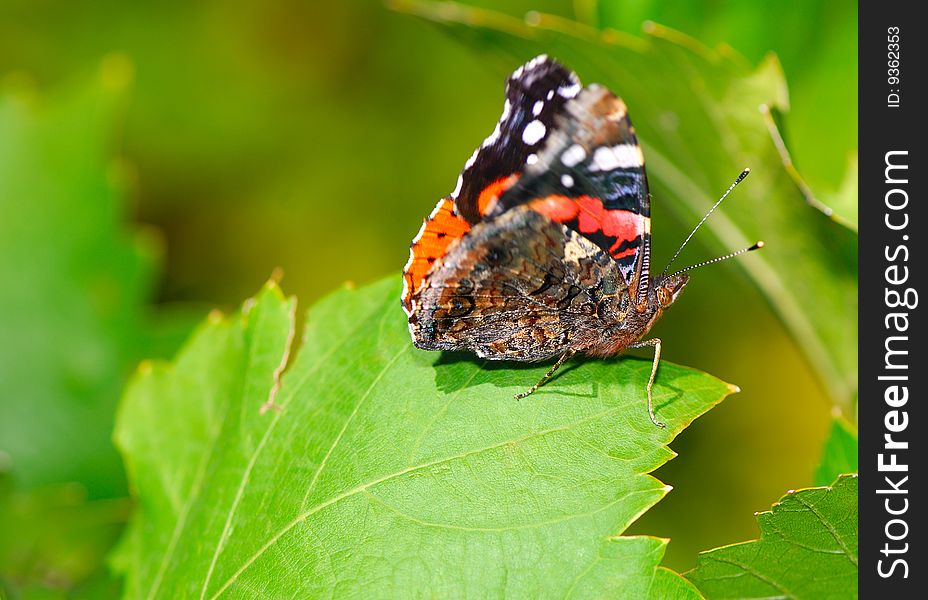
(536, 94)
(591, 177)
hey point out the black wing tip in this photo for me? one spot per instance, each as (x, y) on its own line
(542, 67)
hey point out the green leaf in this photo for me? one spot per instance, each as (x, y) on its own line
(807, 549)
(376, 469)
(75, 283)
(839, 456)
(74, 322)
(844, 198)
(702, 115)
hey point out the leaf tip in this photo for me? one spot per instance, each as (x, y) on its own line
(271, 286)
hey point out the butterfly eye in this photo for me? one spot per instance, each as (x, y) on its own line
(664, 296)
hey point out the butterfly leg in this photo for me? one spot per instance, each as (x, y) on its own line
(656, 344)
(564, 358)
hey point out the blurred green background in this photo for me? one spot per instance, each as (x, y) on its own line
(158, 159)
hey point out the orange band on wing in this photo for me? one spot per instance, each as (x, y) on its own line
(491, 193)
(622, 225)
(557, 208)
(443, 227)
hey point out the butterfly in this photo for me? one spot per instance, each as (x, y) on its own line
(543, 249)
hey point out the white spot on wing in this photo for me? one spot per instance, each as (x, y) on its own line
(567, 180)
(531, 159)
(537, 108)
(569, 91)
(573, 155)
(533, 132)
(520, 72)
(537, 61)
(578, 248)
(550, 94)
(623, 156)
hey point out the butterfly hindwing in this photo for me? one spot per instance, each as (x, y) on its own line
(442, 227)
(518, 287)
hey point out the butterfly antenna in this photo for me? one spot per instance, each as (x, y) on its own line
(739, 179)
(756, 246)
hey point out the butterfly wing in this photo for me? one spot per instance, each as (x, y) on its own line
(569, 154)
(536, 94)
(591, 178)
(519, 287)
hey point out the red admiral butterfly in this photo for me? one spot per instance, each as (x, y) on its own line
(543, 249)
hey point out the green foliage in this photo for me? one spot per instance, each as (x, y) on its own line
(53, 541)
(807, 549)
(74, 323)
(815, 40)
(373, 468)
(75, 283)
(244, 128)
(696, 111)
(839, 456)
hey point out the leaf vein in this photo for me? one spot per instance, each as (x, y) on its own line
(829, 527)
(348, 421)
(360, 488)
(246, 474)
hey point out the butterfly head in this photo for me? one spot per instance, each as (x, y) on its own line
(667, 288)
